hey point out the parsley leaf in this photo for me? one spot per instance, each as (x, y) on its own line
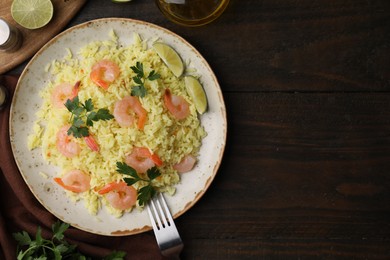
(139, 90)
(138, 69)
(153, 173)
(146, 192)
(103, 114)
(55, 248)
(59, 229)
(72, 104)
(83, 115)
(22, 238)
(153, 75)
(125, 169)
(138, 80)
(88, 105)
(78, 132)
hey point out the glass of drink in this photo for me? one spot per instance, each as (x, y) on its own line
(192, 12)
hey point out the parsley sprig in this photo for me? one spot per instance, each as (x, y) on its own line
(83, 116)
(140, 90)
(55, 248)
(146, 192)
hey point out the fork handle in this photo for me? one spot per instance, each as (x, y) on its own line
(173, 252)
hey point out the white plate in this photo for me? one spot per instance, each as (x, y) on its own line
(26, 102)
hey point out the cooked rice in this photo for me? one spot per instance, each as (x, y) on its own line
(162, 134)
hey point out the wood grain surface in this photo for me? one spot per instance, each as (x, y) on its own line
(33, 40)
(306, 171)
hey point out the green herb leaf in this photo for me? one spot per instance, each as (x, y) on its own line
(138, 69)
(21, 254)
(38, 237)
(153, 173)
(146, 192)
(125, 169)
(90, 118)
(77, 122)
(130, 181)
(73, 131)
(83, 116)
(138, 80)
(59, 229)
(115, 255)
(84, 131)
(22, 238)
(57, 254)
(56, 248)
(62, 248)
(153, 75)
(78, 111)
(78, 132)
(88, 105)
(103, 114)
(72, 104)
(139, 90)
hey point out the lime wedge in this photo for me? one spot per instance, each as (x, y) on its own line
(32, 14)
(170, 57)
(196, 92)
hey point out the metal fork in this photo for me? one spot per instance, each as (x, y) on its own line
(165, 231)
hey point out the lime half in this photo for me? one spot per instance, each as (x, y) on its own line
(170, 57)
(196, 92)
(32, 14)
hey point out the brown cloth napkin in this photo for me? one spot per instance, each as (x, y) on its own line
(21, 211)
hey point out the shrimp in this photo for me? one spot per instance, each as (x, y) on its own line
(104, 73)
(65, 143)
(186, 164)
(91, 142)
(177, 105)
(141, 159)
(120, 195)
(74, 180)
(125, 109)
(63, 92)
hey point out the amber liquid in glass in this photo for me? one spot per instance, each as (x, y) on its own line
(192, 12)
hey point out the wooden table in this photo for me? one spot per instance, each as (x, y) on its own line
(306, 170)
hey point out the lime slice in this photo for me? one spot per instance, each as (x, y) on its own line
(196, 92)
(170, 57)
(32, 14)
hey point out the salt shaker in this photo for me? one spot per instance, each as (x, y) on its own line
(10, 37)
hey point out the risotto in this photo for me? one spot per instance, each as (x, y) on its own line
(145, 128)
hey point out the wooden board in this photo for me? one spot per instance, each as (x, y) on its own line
(33, 40)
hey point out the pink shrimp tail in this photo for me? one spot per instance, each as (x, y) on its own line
(91, 142)
(76, 89)
(111, 186)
